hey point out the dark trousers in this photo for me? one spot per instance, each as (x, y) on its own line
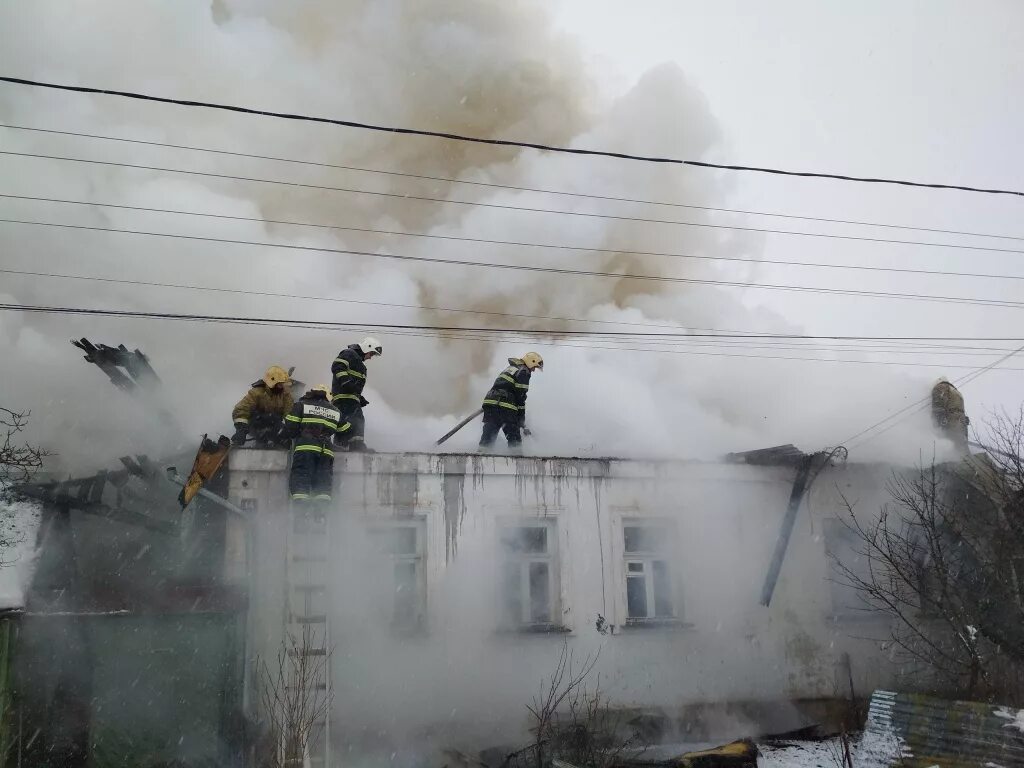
(354, 415)
(311, 476)
(501, 419)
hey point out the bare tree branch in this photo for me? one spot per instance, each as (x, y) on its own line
(945, 560)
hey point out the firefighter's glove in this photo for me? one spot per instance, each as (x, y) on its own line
(240, 432)
(363, 402)
(526, 431)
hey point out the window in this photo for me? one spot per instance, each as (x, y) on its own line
(848, 563)
(647, 548)
(528, 576)
(403, 546)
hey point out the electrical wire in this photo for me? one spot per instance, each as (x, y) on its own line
(583, 249)
(497, 142)
(508, 207)
(688, 339)
(474, 334)
(978, 301)
(919, 405)
(511, 187)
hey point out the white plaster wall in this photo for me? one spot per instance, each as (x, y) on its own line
(463, 680)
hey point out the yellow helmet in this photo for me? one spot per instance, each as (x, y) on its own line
(532, 360)
(321, 388)
(276, 375)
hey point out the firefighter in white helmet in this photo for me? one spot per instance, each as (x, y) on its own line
(261, 412)
(505, 403)
(349, 378)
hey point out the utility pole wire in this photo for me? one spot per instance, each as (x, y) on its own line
(410, 330)
(551, 246)
(498, 142)
(977, 301)
(512, 187)
(690, 339)
(508, 207)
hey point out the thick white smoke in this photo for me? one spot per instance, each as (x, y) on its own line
(490, 69)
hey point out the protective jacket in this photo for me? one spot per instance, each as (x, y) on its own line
(260, 401)
(349, 378)
(312, 424)
(509, 391)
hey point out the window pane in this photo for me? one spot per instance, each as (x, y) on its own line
(530, 539)
(540, 593)
(636, 597)
(400, 540)
(644, 538)
(662, 589)
(512, 596)
(405, 594)
(635, 567)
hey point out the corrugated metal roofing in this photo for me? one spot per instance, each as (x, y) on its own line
(948, 734)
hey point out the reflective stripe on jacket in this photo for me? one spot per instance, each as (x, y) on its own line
(349, 374)
(312, 424)
(510, 388)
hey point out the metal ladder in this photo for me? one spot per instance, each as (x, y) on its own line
(307, 615)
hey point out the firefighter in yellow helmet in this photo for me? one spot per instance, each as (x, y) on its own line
(261, 412)
(505, 403)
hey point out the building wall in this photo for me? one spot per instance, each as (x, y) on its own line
(460, 675)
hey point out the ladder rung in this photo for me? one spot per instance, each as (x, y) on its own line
(309, 587)
(313, 619)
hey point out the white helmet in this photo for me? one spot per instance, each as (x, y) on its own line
(370, 346)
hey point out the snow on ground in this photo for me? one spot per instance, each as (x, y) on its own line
(868, 751)
(19, 522)
(800, 754)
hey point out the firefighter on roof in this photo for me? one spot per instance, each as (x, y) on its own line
(505, 404)
(313, 424)
(349, 369)
(261, 411)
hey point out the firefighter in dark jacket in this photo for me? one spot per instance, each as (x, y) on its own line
(505, 404)
(349, 369)
(313, 424)
(261, 411)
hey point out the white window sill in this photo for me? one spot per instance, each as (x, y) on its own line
(667, 622)
(535, 629)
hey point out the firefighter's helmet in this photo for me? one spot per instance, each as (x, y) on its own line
(370, 346)
(532, 360)
(276, 375)
(321, 388)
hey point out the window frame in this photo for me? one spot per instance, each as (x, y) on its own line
(419, 560)
(524, 559)
(666, 553)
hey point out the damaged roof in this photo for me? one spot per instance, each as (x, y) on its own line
(779, 455)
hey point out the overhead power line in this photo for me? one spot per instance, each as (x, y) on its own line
(498, 142)
(509, 207)
(513, 187)
(791, 342)
(549, 270)
(472, 334)
(516, 243)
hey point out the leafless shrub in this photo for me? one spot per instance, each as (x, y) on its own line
(571, 722)
(18, 461)
(294, 696)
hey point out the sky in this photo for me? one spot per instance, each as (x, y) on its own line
(922, 91)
